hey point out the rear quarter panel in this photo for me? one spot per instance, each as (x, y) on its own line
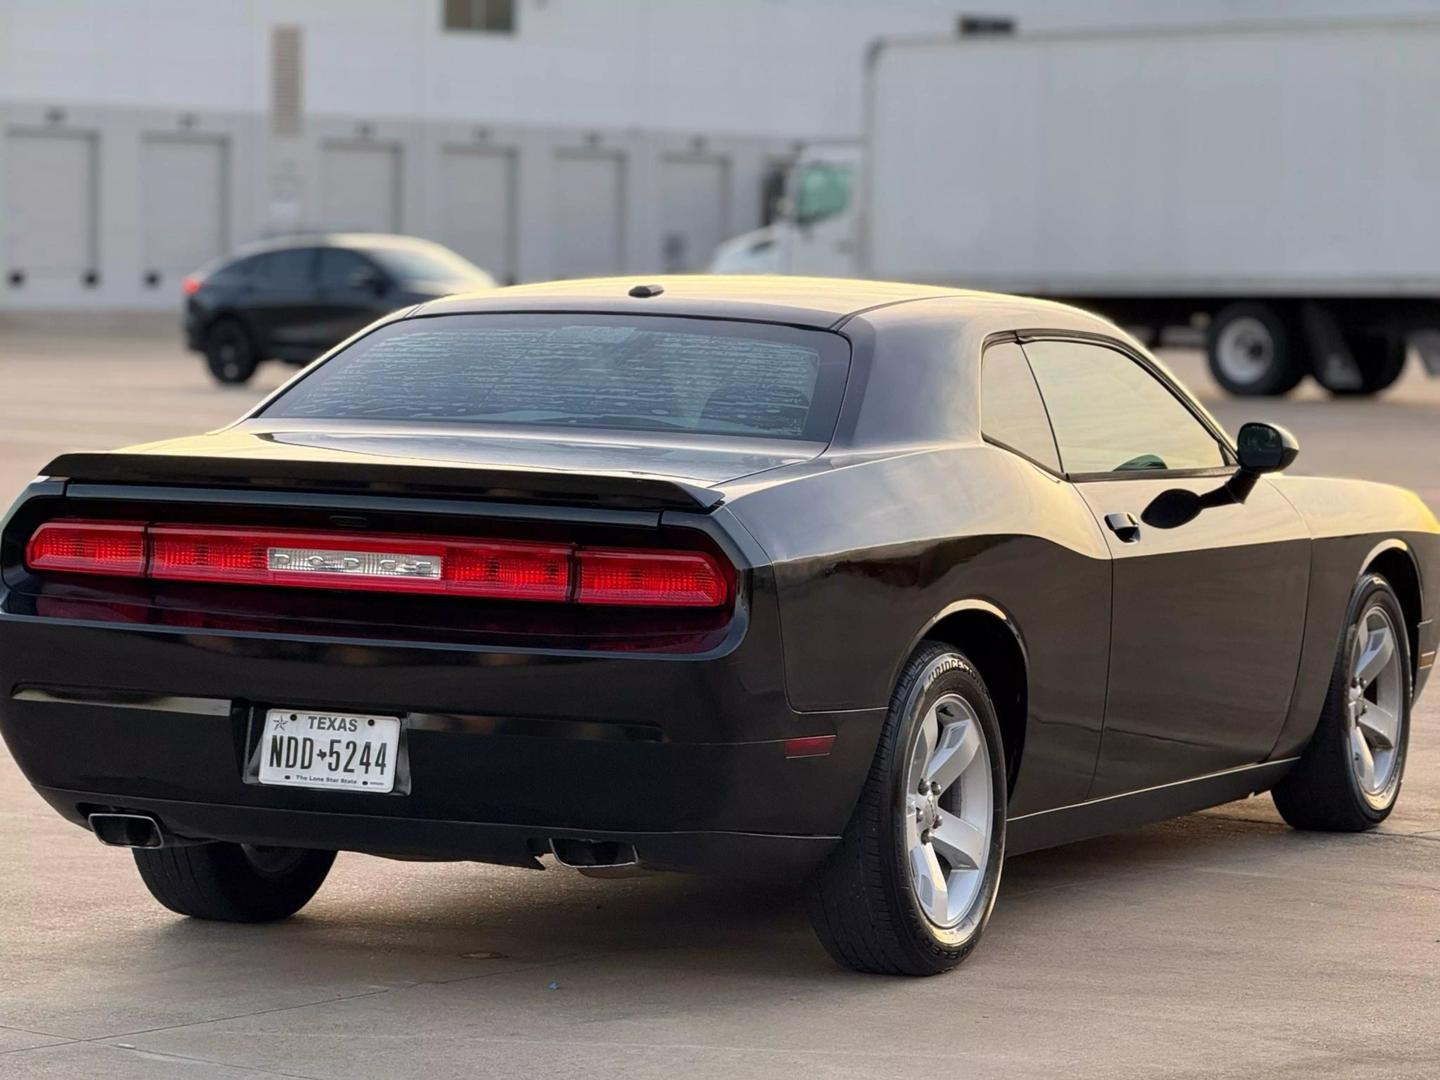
(868, 554)
(1352, 522)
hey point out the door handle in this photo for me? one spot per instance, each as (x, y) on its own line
(1124, 526)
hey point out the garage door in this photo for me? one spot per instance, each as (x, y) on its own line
(50, 207)
(694, 193)
(360, 187)
(477, 208)
(590, 213)
(183, 201)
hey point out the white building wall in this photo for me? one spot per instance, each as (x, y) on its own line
(732, 84)
(777, 67)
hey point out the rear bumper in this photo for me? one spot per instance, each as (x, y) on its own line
(748, 855)
(682, 757)
(192, 322)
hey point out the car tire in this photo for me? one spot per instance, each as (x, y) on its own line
(1380, 358)
(1364, 727)
(875, 904)
(1253, 351)
(233, 882)
(230, 352)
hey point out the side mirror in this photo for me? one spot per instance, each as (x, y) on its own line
(1265, 448)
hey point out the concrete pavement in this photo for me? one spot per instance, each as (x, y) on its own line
(1219, 945)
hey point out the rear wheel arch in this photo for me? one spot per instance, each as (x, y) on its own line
(991, 640)
(1395, 562)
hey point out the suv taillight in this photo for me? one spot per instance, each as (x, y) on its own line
(374, 562)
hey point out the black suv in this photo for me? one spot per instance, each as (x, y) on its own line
(293, 299)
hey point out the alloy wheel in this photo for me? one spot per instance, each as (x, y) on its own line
(948, 811)
(1375, 706)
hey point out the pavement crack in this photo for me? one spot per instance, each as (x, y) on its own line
(32, 1031)
(171, 1056)
(242, 1015)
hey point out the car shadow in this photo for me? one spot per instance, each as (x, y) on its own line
(402, 923)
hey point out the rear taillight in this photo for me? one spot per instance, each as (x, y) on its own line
(191, 285)
(116, 548)
(449, 566)
(650, 578)
(500, 570)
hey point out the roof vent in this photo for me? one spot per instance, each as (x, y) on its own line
(644, 292)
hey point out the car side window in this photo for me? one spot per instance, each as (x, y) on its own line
(295, 266)
(1110, 414)
(1011, 411)
(341, 269)
(237, 272)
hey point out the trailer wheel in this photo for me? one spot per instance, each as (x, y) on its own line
(1254, 352)
(1380, 357)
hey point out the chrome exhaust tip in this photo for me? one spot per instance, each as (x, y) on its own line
(596, 858)
(127, 830)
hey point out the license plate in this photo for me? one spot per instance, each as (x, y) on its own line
(336, 751)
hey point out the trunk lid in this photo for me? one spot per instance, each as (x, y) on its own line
(629, 471)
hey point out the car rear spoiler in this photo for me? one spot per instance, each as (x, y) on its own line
(616, 490)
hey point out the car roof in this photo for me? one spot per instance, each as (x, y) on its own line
(339, 240)
(802, 301)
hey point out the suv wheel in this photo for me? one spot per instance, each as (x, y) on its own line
(230, 352)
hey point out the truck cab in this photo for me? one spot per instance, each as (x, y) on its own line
(815, 228)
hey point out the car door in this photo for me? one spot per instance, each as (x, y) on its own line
(281, 299)
(1208, 608)
(1053, 578)
(353, 293)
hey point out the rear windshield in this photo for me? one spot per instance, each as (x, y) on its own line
(588, 371)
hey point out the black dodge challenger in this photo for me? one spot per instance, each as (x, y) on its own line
(865, 584)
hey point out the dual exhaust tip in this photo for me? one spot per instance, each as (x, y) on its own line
(127, 830)
(598, 858)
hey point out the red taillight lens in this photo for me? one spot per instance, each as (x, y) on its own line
(88, 547)
(500, 570)
(512, 571)
(191, 285)
(651, 578)
(449, 566)
(178, 553)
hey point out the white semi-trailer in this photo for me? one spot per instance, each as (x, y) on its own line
(1279, 183)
